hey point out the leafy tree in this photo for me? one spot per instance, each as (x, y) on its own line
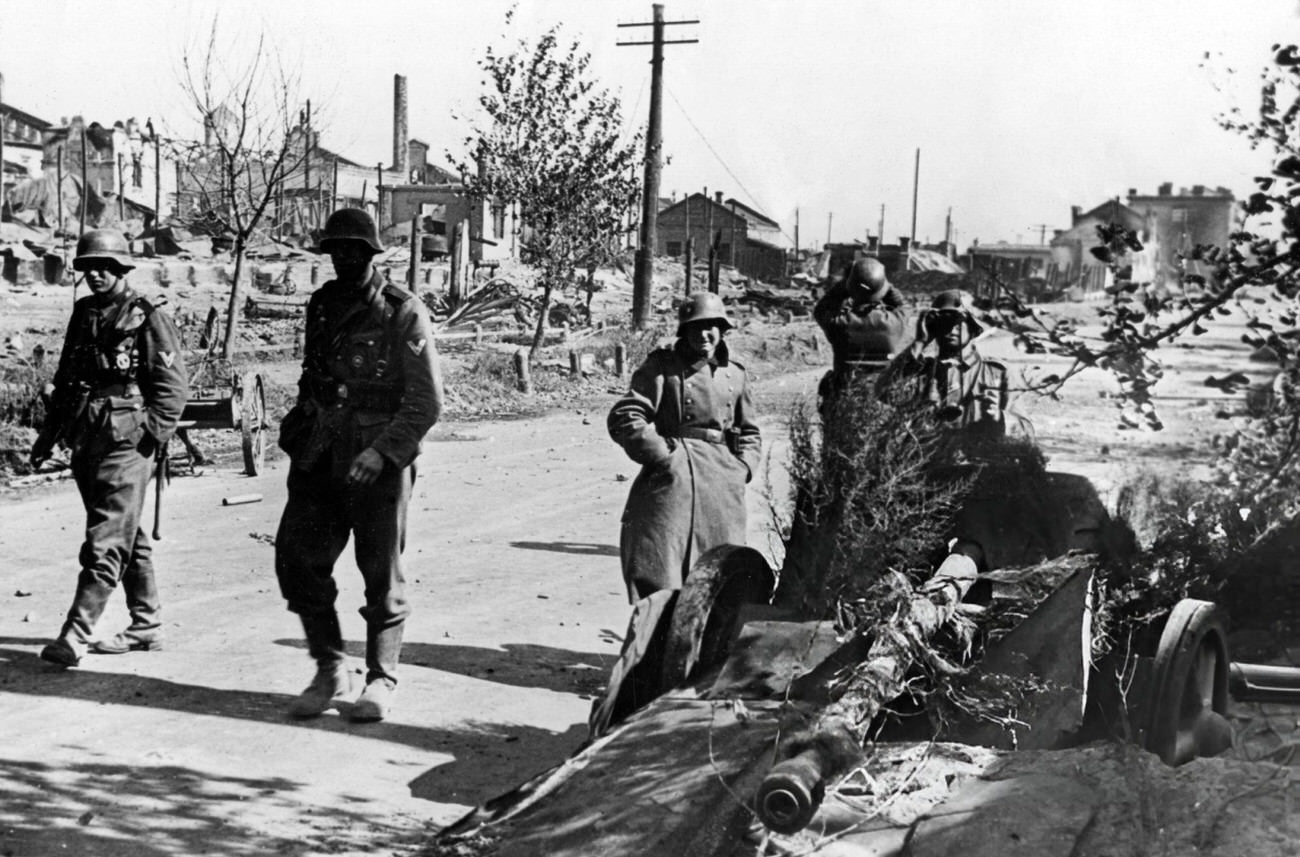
(1258, 274)
(252, 143)
(552, 142)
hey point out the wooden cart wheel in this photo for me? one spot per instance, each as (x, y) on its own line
(703, 621)
(252, 424)
(1188, 698)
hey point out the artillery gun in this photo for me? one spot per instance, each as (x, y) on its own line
(723, 707)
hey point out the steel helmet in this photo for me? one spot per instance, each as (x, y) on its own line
(950, 301)
(103, 244)
(351, 224)
(702, 306)
(868, 275)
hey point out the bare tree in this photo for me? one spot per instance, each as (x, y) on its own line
(254, 139)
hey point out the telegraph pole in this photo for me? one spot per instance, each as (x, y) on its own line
(796, 233)
(830, 218)
(1042, 231)
(947, 226)
(881, 233)
(916, 184)
(643, 273)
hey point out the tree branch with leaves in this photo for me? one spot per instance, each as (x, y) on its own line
(550, 141)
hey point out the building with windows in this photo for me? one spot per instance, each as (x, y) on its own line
(745, 238)
(24, 139)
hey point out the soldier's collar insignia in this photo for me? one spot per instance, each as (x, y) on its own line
(167, 358)
(416, 347)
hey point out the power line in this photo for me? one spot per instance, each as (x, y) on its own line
(734, 177)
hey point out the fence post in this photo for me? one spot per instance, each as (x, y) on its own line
(575, 363)
(522, 370)
(620, 360)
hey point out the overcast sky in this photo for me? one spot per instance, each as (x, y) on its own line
(1021, 108)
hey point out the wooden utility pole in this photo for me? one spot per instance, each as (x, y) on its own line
(307, 147)
(643, 273)
(881, 233)
(59, 180)
(334, 187)
(690, 261)
(830, 218)
(4, 114)
(413, 274)
(121, 190)
(379, 195)
(916, 184)
(81, 227)
(732, 261)
(157, 178)
(947, 227)
(1042, 231)
(796, 232)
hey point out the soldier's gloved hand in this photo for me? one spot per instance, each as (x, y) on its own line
(366, 467)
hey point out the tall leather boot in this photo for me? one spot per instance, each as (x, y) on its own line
(325, 645)
(383, 651)
(74, 637)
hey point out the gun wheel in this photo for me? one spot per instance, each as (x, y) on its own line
(1188, 703)
(703, 623)
(252, 424)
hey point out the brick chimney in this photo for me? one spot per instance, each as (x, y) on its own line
(717, 197)
(1166, 189)
(1076, 214)
(401, 154)
(1198, 190)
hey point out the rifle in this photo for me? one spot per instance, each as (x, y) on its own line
(160, 475)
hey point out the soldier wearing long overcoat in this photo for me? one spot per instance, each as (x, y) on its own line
(119, 390)
(370, 390)
(688, 420)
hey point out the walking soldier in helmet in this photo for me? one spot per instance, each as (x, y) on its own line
(119, 389)
(688, 420)
(370, 390)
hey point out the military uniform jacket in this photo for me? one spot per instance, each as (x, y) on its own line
(970, 391)
(859, 330)
(690, 425)
(370, 377)
(121, 374)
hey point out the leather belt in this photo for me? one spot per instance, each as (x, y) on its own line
(363, 395)
(707, 434)
(119, 390)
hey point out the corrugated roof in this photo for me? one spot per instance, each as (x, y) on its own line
(929, 260)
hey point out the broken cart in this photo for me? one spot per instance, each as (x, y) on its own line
(222, 398)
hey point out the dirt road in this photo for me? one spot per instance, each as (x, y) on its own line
(519, 610)
(513, 568)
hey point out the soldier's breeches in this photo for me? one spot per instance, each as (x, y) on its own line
(113, 490)
(321, 513)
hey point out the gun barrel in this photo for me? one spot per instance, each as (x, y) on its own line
(792, 791)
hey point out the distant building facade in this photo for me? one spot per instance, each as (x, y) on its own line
(746, 238)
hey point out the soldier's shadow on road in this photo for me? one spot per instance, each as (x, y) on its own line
(580, 548)
(487, 756)
(95, 808)
(515, 664)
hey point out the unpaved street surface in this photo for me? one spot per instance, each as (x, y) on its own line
(519, 608)
(519, 611)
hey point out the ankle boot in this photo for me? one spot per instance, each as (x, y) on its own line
(325, 644)
(383, 650)
(330, 683)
